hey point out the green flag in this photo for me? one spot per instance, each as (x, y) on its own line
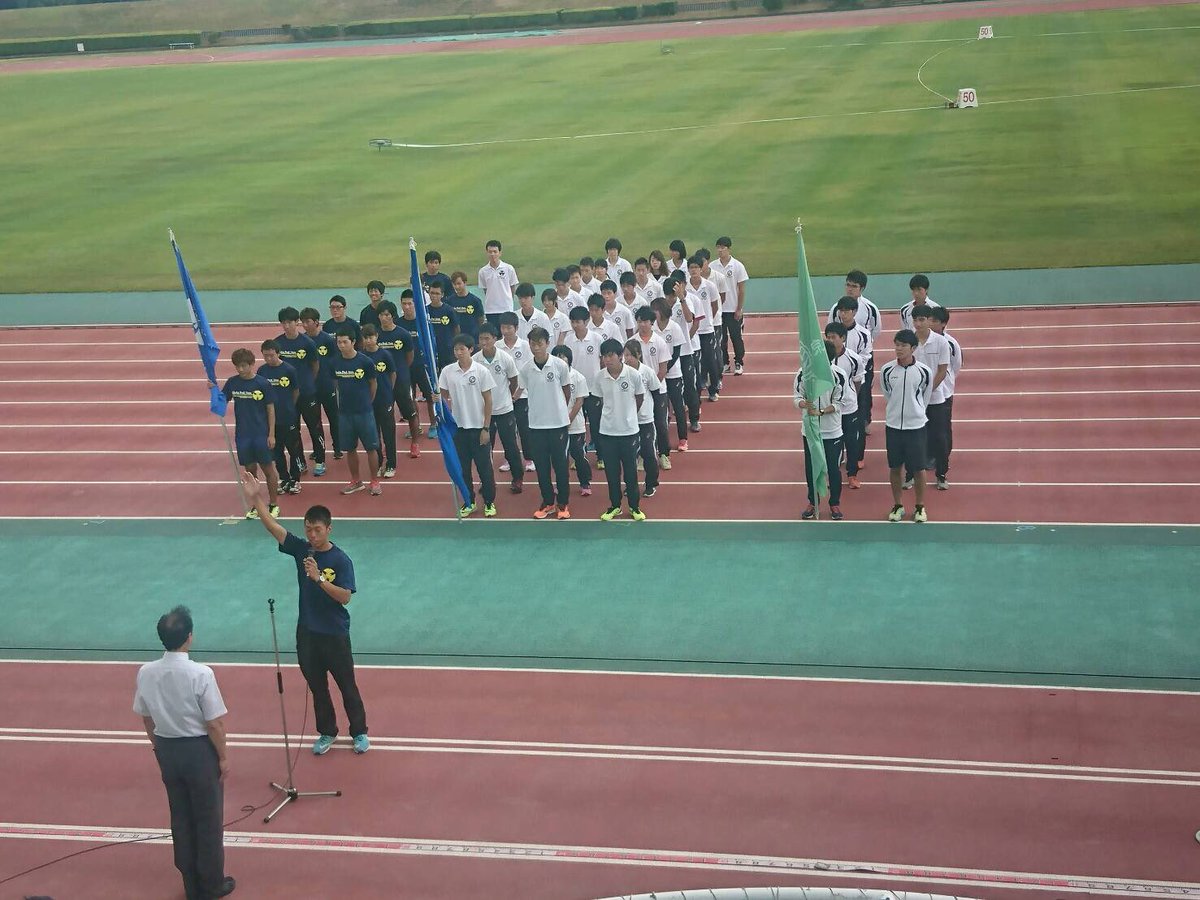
(817, 378)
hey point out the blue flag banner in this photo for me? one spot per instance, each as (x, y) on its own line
(205, 342)
(446, 426)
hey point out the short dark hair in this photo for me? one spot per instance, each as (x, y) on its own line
(458, 276)
(918, 281)
(601, 263)
(611, 346)
(561, 275)
(587, 261)
(847, 303)
(492, 243)
(612, 244)
(634, 346)
(432, 256)
(269, 344)
(704, 253)
(724, 241)
(661, 307)
(464, 340)
(337, 298)
(857, 276)
(435, 286)
(563, 352)
(309, 314)
(578, 314)
(347, 332)
(549, 295)
(644, 314)
(924, 311)
(627, 278)
(377, 285)
(406, 294)
(525, 289)
(641, 261)
(289, 314)
(572, 270)
(370, 330)
(509, 318)
(174, 627)
(490, 329)
(241, 355)
(319, 515)
(538, 333)
(596, 300)
(836, 328)
(906, 336)
(695, 260)
(386, 309)
(608, 285)
(940, 313)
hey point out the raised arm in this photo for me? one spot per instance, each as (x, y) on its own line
(254, 495)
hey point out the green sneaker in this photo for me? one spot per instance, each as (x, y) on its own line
(919, 515)
(321, 747)
(273, 509)
(465, 510)
(252, 514)
(489, 511)
(611, 513)
(637, 515)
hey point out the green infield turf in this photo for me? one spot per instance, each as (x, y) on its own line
(264, 171)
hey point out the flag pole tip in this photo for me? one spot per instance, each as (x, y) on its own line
(799, 227)
(171, 234)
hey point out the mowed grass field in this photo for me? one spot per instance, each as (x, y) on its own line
(264, 171)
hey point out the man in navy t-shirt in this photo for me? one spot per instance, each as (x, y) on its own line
(326, 393)
(254, 428)
(338, 320)
(385, 382)
(326, 578)
(444, 321)
(466, 306)
(299, 350)
(370, 312)
(288, 452)
(401, 344)
(420, 376)
(354, 377)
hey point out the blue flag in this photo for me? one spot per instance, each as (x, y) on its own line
(205, 342)
(446, 426)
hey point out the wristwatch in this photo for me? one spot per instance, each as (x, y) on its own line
(322, 578)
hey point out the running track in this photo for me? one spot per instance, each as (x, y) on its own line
(1085, 415)
(644, 782)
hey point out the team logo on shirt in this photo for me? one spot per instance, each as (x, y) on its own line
(256, 395)
(329, 574)
(285, 382)
(469, 309)
(591, 348)
(624, 385)
(322, 350)
(360, 373)
(441, 320)
(549, 376)
(301, 353)
(471, 379)
(381, 366)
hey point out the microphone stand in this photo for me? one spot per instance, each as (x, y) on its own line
(288, 790)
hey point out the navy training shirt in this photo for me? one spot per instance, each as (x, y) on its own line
(353, 378)
(326, 351)
(299, 352)
(384, 366)
(332, 327)
(283, 381)
(444, 321)
(370, 314)
(400, 342)
(468, 309)
(318, 611)
(250, 397)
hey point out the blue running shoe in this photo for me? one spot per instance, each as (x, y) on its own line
(324, 742)
(361, 743)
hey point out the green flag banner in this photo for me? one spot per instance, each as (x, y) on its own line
(817, 378)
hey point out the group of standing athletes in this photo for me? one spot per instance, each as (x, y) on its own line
(918, 390)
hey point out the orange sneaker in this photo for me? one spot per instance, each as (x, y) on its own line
(414, 450)
(545, 512)
(852, 483)
(564, 512)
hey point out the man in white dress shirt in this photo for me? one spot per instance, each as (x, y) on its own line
(497, 280)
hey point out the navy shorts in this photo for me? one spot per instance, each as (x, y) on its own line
(355, 427)
(907, 448)
(254, 451)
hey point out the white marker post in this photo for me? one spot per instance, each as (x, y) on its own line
(967, 99)
(78, 47)
(985, 32)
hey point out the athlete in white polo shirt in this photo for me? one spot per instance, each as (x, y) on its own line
(600, 323)
(941, 317)
(683, 314)
(467, 386)
(672, 335)
(560, 323)
(734, 306)
(647, 288)
(576, 431)
(615, 263)
(918, 286)
(621, 394)
(647, 442)
(529, 317)
(617, 313)
(934, 351)
(585, 357)
(706, 302)
(658, 356)
(518, 348)
(504, 418)
(629, 296)
(852, 428)
(907, 386)
(568, 299)
(497, 280)
(546, 381)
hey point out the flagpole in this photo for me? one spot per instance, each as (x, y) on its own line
(817, 376)
(237, 477)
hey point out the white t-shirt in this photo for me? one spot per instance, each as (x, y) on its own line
(672, 335)
(701, 315)
(608, 329)
(652, 291)
(655, 352)
(633, 305)
(590, 287)
(907, 309)
(503, 368)
(735, 274)
(497, 284)
(570, 301)
(706, 294)
(536, 318)
(935, 352)
(180, 695)
(618, 268)
(671, 267)
(621, 316)
(721, 283)
(619, 417)
(691, 342)
(560, 327)
(579, 388)
(653, 386)
(543, 385)
(518, 351)
(466, 388)
(585, 354)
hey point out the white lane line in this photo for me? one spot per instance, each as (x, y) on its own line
(399, 483)
(708, 756)
(204, 402)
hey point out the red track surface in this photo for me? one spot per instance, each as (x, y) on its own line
(1062, 415)
(902, 807)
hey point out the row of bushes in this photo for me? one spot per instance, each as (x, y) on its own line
(144, 41)
(489, 22)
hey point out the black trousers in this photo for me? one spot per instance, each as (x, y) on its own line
(549, 449)
(648, 451)
(321, 655)
(583, 467)
(385, 422)
(691, 394)
(710, 371)
(944, 470)
(833, 462)
(521, 408)
(288, 450)
(662, 437)
(675, 397)
(855, 440)
(620, 462)
(471, 452)
(733, 332)
(505, 425)
(864, 393)
(192, 777)
(419, 379)
(592, 407)
(329, 403)
(938, 434)
(310, 412)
